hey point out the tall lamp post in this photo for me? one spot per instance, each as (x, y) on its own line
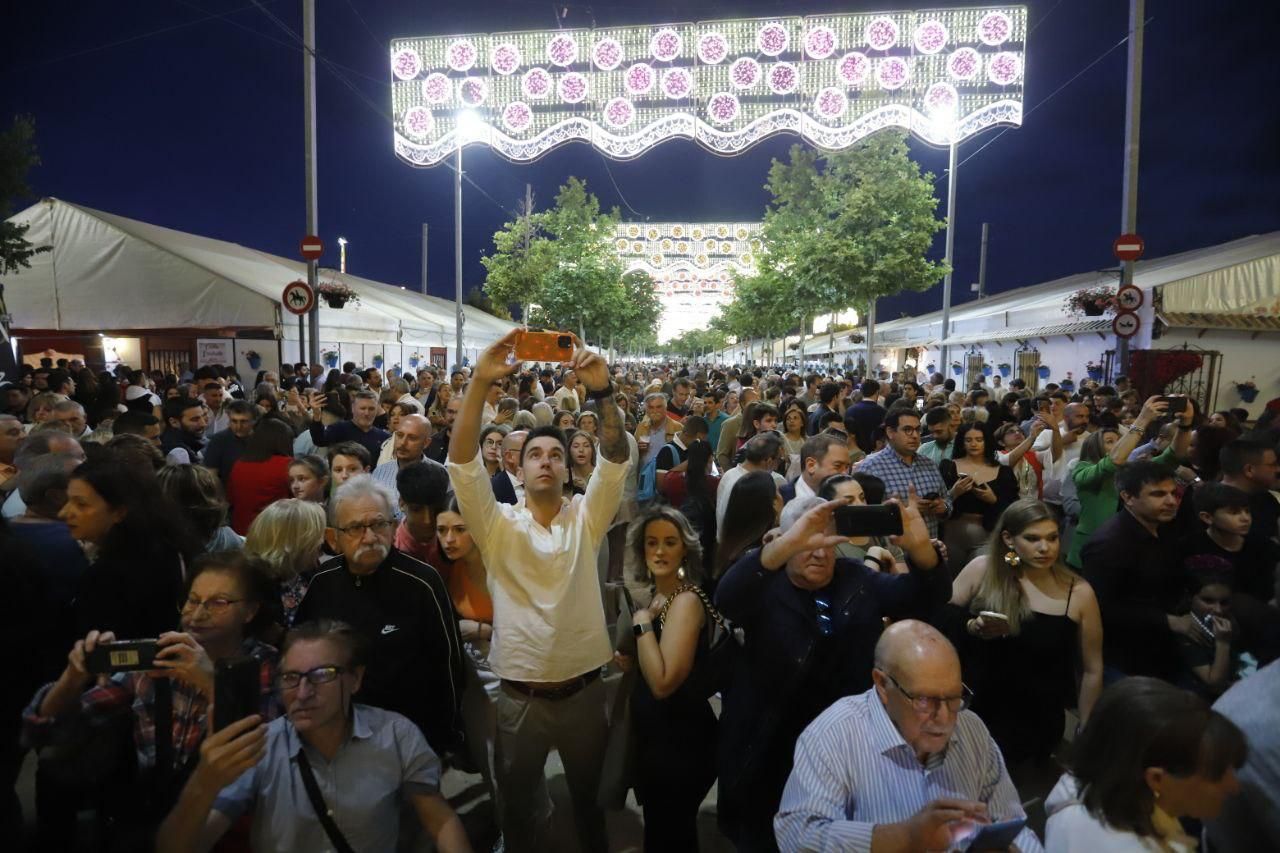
(949, 251)
(342, 255)
(469, 128)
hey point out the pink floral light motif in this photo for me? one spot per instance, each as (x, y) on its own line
(712, 48)
(723, 107)
(406, 64)
(930, 37)
(830, 103)
(619, 112)
(536, 83)
(881, 34)
(892, 73)
(517, 116)
(1004, 68)
(772, 39)
(461, 55)
(819, 42)
(941, 98)
(677, 83)
(665, 44)
(963, 64)
(783, 78)
(418, 122)
(994, 28)
(562, 50)
(744, 73)
(639, 79)
(853, 69)
(436, 88)
(505, 59)
(573, 88)
(473, 91)
(607, 54)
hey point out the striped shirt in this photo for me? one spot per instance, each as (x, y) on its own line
(853, 770)
(898, 476)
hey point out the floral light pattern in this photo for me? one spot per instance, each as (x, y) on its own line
(473, 91)
(517, 116)
(881, 34)
(963, 64)
(772, 39)
(461, 55)
(505, 58)
(930, 37)
(639, 79)
(418, 122)
(406, 64)
(853, 68)
(436, 88)
(1004, 68)
(619, 112)
(723, 107)
(994, 28)
(819, 42)
(573, 88)
(677, 83)
(892, 73)
(562, 50)
(536, 83)
(665, 45)
(783, 78)
(712, 48)
(744, 73)
(607, 54)
(941, 98)
(830, 103)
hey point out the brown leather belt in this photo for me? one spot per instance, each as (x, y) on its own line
(555, 691)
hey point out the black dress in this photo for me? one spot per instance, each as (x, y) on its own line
(1024, 683)
(676, 765)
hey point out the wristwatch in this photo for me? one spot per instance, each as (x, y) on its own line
(606, 391)
(642, 629)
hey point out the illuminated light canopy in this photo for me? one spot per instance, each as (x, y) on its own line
(831, 79)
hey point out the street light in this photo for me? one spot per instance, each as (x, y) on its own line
(944, 123)
(469, 128)
(342, 255)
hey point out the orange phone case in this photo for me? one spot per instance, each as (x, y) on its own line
(543, 346)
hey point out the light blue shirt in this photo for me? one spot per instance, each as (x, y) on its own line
(935, 452)
(364, 786)
(853, 771)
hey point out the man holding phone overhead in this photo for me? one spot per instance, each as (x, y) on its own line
(359, 428)
(550, 640)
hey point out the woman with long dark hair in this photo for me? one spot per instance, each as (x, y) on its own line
(980, 487)
(140, 546)
(699, 503)
(752, 511)
(261, 474)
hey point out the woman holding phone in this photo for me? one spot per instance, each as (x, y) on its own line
(1027, 620)
(980, 490)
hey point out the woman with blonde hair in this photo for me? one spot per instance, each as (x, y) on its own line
(40, 408)
(1028, 621)
(287, 535)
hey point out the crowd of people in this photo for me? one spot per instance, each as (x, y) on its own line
(877, 613)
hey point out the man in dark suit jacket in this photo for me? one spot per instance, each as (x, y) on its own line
(862, 418)
(1134, 565)
(507, 487)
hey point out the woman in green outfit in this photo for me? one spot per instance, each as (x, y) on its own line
(1101, 456)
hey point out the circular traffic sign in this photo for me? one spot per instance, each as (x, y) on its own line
(1126, 325)
(312, 247)
(1128, 247)
(298, 297)
(1129, 298)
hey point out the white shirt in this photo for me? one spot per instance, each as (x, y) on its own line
(548, 612)
(1055, 471)
(516, 484)
(1072, 829)
(566, 399)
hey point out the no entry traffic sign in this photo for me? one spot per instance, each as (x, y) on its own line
(1128, 247)
(1129, 298)
(312, 248)
(1126, 325)
(298, 297)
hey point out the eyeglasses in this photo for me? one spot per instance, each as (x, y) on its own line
(319, 675)
(823, 606)
(929, 705)
(214, 606)
(907, 430)
(379, 527)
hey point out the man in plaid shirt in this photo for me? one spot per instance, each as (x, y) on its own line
(902, 468)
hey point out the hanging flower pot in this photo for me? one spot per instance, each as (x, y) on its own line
(931, 368)
(1094, 370)
(986, 370)
(1043, 371)
(1005, 369)
(957, 368)
(1248, 391)
(1068, 385)
(1091, 302)
(255, 360)
(334, 300)
(330, 358)
(336, 294)
(377, 361)
(415, 360)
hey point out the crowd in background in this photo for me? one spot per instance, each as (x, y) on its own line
(644, 567)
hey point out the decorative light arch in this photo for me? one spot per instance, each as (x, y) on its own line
(942, 75)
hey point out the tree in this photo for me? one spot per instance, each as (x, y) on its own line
(17, 156)
(477, 298)
(639, 311)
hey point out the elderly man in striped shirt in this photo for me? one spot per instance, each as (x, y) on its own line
(902, 767)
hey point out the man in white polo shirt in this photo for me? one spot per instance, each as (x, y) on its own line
(549, 641)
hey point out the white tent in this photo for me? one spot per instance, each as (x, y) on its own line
(110, 274)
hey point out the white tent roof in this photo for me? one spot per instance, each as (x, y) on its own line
(107, 272)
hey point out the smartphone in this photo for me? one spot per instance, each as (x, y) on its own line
(991, 614)
(237, 690)
(543, 346)
(875, 520)
(996, 836)
(121, 656)
(1177, 405)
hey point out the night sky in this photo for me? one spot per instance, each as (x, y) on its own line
(189, 115)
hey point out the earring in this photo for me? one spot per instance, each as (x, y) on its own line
(1013, 559)
(680, 573)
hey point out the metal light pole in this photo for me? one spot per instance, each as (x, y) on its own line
(457, 253)
(951, 240)
(342, 255)
(1132, 125)
(309, 157)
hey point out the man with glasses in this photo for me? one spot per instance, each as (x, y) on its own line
(400, 605)
(811, 623)
(902, 468)
(361, 763)
(902, 766)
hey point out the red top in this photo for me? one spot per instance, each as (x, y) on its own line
(253, 485)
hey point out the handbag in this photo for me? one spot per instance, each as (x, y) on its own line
(618, 767)
(724, 639)
(318, 804)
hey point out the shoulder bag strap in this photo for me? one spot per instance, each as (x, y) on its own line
(318, 804)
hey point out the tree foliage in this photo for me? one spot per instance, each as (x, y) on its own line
(17, 156)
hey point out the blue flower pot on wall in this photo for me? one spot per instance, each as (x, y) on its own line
(957, 369)
(255, 362)
(986, 370)
(1247, 394)
(1068, 385)
(377, 361)
(1095, 373)
(331, 361)
(1043, 371)
(1005, 370)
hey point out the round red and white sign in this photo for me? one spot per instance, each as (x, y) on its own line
(1126, 325)
(298, 297)
(1129, 298)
